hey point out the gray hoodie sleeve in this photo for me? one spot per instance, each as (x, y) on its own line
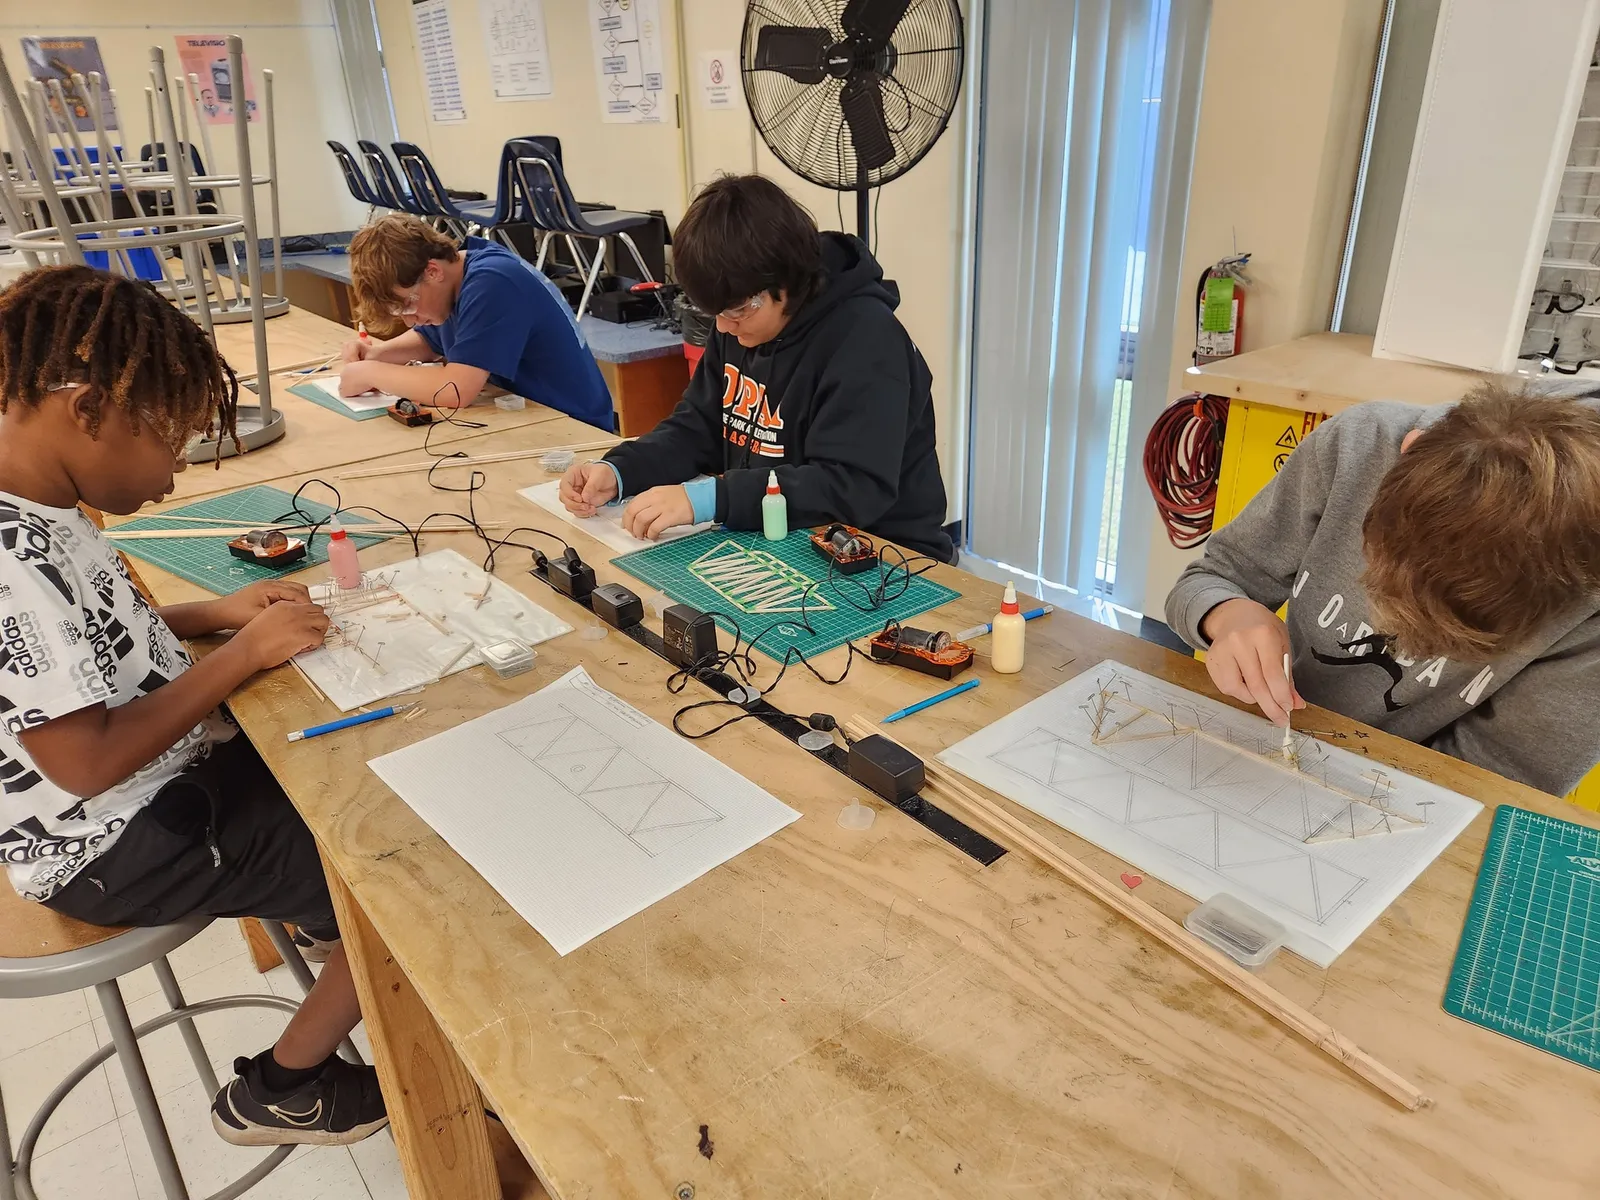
(1543, 726)
(1256, 555)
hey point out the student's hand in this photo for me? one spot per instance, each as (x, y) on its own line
(588, 487)
(652, 513)
(1248, 643)
(245, 605)
(356, 378)
(283, 630)
(358, 348)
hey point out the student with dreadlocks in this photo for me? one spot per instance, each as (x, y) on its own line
(129, 797)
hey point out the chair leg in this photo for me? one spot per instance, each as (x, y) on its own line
(638, 259)
(8, 1183)
(302, 974)
(544, 250)
(191, 1035)
(144, 1096)
(594, 276)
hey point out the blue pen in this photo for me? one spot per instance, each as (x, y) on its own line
(966, 635)
(931, 701)
(301, 735)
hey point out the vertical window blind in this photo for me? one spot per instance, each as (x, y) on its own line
(1088, 122)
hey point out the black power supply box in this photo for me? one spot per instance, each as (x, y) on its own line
(889, 769)
(616, 606)
(690, 635)
(570, 575)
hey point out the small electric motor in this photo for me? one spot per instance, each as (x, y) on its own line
(267, 548)
(850, 550)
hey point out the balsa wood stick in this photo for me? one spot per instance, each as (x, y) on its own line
(470, 461)
(233, 531)
(1154, 922)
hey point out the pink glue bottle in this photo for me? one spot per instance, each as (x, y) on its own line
(342, 557)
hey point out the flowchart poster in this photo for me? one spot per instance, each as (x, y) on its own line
(61, 58)
(519, 55)
(627, 50)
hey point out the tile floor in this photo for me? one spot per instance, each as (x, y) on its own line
(94, 1145)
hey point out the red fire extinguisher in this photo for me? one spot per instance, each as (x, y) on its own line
(1219, 309)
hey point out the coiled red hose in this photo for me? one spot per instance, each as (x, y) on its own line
(1182, 462)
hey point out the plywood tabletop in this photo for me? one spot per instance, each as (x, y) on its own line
(875, 1014)
(1329, 372)
(295, 339)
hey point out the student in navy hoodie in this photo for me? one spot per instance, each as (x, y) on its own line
(809, 373)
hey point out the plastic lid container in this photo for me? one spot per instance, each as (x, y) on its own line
(1245, 934)
(510, 403)
(508, 658)
(557, 460)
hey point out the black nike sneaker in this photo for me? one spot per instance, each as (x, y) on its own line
(340, 1106)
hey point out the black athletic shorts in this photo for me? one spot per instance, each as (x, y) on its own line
(221, 839)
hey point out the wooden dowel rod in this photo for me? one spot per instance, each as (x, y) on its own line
(469, 461)
(233, 531)
(1156, 923)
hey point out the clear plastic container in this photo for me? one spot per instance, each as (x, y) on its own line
(510, 403)
(557, 461)
(1245, 934)
(509, 657)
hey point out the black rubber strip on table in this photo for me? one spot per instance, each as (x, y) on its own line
(927, 814)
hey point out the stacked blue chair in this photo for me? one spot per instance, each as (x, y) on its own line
(549, 206)
(386, 184)
(430, 194)
(354, 178)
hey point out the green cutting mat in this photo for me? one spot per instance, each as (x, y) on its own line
(311, 392)
(205, 561)
(1529, 961)
(761, 583)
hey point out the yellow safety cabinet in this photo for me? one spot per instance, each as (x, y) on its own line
(1279, 395)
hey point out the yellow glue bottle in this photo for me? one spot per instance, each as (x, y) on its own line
(1005, 642)
(774, 511)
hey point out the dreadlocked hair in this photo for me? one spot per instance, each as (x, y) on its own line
(120, 338)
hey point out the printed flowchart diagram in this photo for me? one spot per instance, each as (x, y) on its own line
(627, 47)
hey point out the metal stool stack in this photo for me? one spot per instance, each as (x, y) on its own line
(43, 953)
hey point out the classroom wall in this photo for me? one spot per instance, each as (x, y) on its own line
(659, 166)
(1282, 109)
(294, 38)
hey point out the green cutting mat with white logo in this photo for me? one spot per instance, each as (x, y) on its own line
(205, 560)
(1529, 961)
(778, 585)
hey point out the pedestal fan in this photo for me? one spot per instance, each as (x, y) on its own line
(854, 103)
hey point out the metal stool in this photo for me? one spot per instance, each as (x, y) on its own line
(43, 953)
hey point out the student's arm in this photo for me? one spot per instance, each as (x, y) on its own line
(91, 749)
(454, 385)
(1543, 727)
(1226, 601)
(853, 447)
(235, 611)
(410, 346)
(687, 443)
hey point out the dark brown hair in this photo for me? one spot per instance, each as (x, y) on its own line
(120, 337)
(744, 235)
(1488, 527)
(393, 252)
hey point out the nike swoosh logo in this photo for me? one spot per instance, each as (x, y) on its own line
(302, 1120)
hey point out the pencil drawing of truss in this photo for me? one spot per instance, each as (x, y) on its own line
(646, 807)
(1366, 812)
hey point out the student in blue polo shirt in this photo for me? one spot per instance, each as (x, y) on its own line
(488, 314)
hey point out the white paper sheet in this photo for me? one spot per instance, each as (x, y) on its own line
(429, 626)
(437, 50)
(519, 55)
(1219, 812)
(578, 809)
(365, 402)
(627, 53)
(606, 525)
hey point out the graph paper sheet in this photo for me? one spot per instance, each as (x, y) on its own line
(1197, 794)
(578, 809)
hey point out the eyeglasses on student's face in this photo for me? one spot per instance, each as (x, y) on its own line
(408, 308)
(740, 311)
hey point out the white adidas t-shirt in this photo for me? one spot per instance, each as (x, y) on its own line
(74, 631)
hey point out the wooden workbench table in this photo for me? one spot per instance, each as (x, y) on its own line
(319, 440)
(874, 1014)
(295, 339)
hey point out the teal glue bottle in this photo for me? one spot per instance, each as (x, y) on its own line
(774, 511)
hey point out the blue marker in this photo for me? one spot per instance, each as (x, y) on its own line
(977, 631)
(301, 735)
(931, 701)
